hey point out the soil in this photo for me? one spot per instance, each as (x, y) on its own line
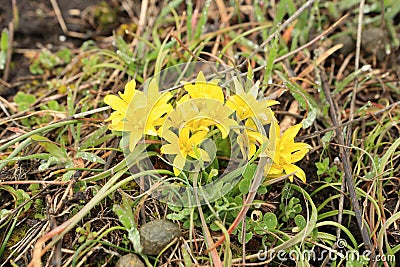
(39, 26)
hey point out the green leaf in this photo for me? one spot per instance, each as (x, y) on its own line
(262, 190)
(68, 175)
(3, 48)
(244, 186)
(53, 105)
(311, 116)
(300, 221)
(126, 217)
(4, 40)
(49, 146)
(322, 166)
(287, 192)
(250, 171)
(175, 216)
(47, 163)
(65, 55)
(203, 20)
(270, 221)
(248, 237)
(24, 100)
(90, 157)
(4, 213)
(326, 139)
(95, 138)
(273, 50)
(248, 174)
(19, 196)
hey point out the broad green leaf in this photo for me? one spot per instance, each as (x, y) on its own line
(273, 50)
(4, 213)
(250, 171)
(244, 186)
(50, 147)
(126, 217)
(326, 139)
(300, 221)
(270, 221)
(248, 237)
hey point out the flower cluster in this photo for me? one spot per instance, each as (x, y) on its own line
(202, 111)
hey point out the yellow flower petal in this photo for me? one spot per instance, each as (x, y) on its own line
(291, 168)
(298, 155)
(134, 138)
(129, 91)
(116, 116)
(197, 138)
(291, 133)
(171, 137)
(179, 163)
(184, 135)
(115, 102)
(202, 89)
(271, 102)
(169, 149)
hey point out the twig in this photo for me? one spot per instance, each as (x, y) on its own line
(280, 28)
(340, 208)
(6, 73)
(356, 67)
(214, 254)
(350, 128)
(62, 23)
(187, 49)
(344, 155)
(317, 133)
(59, 16)
(313, 41)
(141, 24)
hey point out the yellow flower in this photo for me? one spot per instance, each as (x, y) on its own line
(120, 105)
(199, 115)
(250, 139)
(247, 106)
(287, 152)
(184, 146)
(203, 89)
(196, 125)
(137, 112)
(158, 106)
(217, 114)
(179, 117)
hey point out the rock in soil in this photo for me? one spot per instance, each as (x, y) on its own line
(156, 235)
(129, 260)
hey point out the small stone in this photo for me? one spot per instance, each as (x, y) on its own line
(373, 42)
(348, 44)
(129, 260)
(156, 235)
